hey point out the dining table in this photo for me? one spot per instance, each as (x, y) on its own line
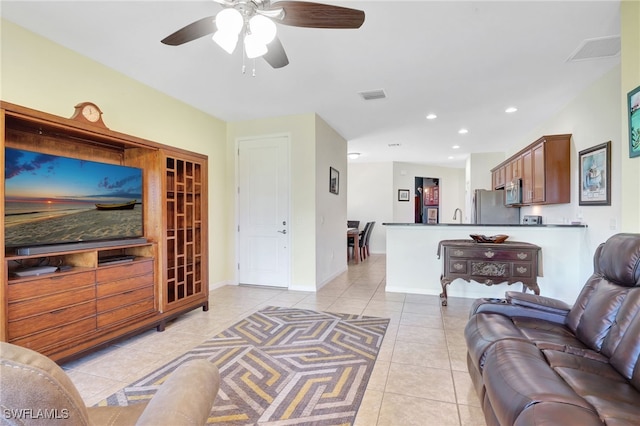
(355, 234)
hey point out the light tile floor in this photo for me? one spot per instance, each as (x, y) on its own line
(420, 376)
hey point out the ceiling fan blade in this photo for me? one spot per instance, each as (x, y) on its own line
(276, 56)
(318, 15)
(194, 30)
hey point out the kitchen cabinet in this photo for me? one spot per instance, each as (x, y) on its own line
(545, 169)
(498, 177)
(513, 169)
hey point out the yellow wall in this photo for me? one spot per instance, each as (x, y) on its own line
(630, 58)
(42, 75)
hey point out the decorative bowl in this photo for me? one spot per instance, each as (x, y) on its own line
(497, 239)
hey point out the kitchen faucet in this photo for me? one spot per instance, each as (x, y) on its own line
(455, 214)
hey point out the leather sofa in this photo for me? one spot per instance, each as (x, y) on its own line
(538, 361)
(34, 390)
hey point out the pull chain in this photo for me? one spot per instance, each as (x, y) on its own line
(244, 55)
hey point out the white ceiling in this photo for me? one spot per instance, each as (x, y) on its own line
(464, 61)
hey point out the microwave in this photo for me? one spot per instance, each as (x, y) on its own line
(513, 192)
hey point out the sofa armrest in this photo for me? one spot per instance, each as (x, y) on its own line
(516, 304)
(186, 397)
(541, 303)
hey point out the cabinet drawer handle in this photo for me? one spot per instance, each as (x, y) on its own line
(458, 252)
(522, 269)
(489, 254)
(522, 256)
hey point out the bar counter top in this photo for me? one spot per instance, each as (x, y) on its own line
(513, 225)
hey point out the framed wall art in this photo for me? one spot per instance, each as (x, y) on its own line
(403, 195)
(595, 175)
(634, 122)
(432, 215)
(334, 181)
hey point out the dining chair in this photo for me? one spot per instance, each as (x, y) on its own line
(363, 236)
(352, 224)
(364, 246)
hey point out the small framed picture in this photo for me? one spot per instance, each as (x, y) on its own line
(432, 215)
(634, 122)
(403, 195)
(595, 175)
(334, 181)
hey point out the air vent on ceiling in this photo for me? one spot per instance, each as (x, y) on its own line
(370, 95)
(596, 48)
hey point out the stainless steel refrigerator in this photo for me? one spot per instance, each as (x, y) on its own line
(489, 209)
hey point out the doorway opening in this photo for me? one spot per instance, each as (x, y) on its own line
(426, 200)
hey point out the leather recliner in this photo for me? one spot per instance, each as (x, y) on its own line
(538, 361)
(34, 390)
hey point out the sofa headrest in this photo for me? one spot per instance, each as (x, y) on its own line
(618, 259)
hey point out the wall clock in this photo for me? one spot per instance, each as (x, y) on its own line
(88, 112)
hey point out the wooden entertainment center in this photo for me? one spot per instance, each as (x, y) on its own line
(92, 302)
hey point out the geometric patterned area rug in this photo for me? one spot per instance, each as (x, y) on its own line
(282, 366)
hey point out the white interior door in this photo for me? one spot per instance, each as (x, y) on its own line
(263, 194)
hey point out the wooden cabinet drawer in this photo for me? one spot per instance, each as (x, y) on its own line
(124, 285)
(47, 285)
(50, 303)
(457, 266)
(490, 269)
(52, 319)
(493, 254)
(125, 312)
(44, 339)
(126, 298)
(117, 272)
(523, 270)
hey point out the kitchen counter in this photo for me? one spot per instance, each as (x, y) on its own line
(413, 265)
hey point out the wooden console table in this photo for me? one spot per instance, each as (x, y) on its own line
(489, 263)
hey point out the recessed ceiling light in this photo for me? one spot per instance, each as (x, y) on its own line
(450, 157)
(463, 131)
(353, 155)
(510, 110)
(456, 147)
(431, 116)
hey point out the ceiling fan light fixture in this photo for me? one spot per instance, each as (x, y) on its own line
(229, 20)
(253, 46)
(226, 40)
(263, 28)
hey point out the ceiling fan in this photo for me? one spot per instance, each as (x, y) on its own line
(254, 22)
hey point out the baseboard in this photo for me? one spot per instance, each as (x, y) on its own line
(213, 286)
(331, 278)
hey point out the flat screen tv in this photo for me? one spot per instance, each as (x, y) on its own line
(54, 200)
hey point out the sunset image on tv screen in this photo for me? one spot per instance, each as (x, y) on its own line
(51, 199)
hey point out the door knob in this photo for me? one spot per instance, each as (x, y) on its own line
(284, 231)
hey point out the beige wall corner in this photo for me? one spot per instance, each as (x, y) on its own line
(630, 56)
